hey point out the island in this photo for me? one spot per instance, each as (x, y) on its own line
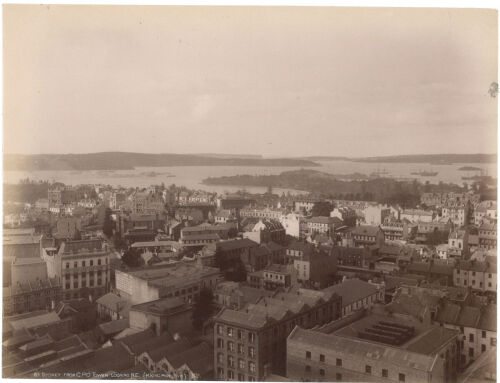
(469, 168)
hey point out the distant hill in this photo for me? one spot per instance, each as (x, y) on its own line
(433, 158)
(124, 161)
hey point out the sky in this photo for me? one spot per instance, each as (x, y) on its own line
(276, 81)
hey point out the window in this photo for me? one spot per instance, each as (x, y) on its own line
(240, 334)
(67, 265)
(308, 368)
(251, 379)
(83, 263)
(322, 372)
(229, 331)
(251, 351)
(241, 364)
(471, 352)
(493, 342)
(75, 284)
(220, 343)
(230, 346)
(471, 337)
(240, 348)
(338, 377)
(483, 348)
(230, 361)
(321, 358)
(308, 354)
(251, 337)
(338, 362)
(385, 373)
(402, 377)
(241, 377)
(91, 262)
(251, 366)
(99, 262)
(230, 374)
(368, 369)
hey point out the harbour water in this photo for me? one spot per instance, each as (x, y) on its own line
(192, 176)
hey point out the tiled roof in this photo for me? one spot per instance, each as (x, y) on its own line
(234, 244)
(352, 290)
(160, 306)
(360, 350)
(432, 340)
(199, 359)
(114, 326)
(366, 230)
(138, 345)
(35, 321)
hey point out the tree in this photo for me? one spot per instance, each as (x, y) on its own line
(118, 242)
(322, 209)
(107, 227)
(132, 258)
(203, 307)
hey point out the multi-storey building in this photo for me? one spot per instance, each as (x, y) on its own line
(226, 216)
(321, 225)
(374, 348)
(277, 276)
(265, 213)
(477, 325)
(440, 199)
(183, 280)
(60, 196)
(250, 343)
(264, 231)
(139, 227)
(81, 266)
(488, 236)
(304, 204)
(367, 235)
(458, 243)
(292, 223)
(222, 231)
(42, 294)
(375, 215)
(116, 200)
(357, 294)
(457, 212)
(146, 203)
(346, 214)
(398, 230)
(477, 275)
(415, 215)
(298, 249)
(426, 229)
(317, 269)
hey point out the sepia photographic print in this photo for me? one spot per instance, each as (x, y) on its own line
(250, 193)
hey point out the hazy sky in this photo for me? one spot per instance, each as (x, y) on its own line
(272, 81)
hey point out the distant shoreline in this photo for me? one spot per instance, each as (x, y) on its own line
(129, 161)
